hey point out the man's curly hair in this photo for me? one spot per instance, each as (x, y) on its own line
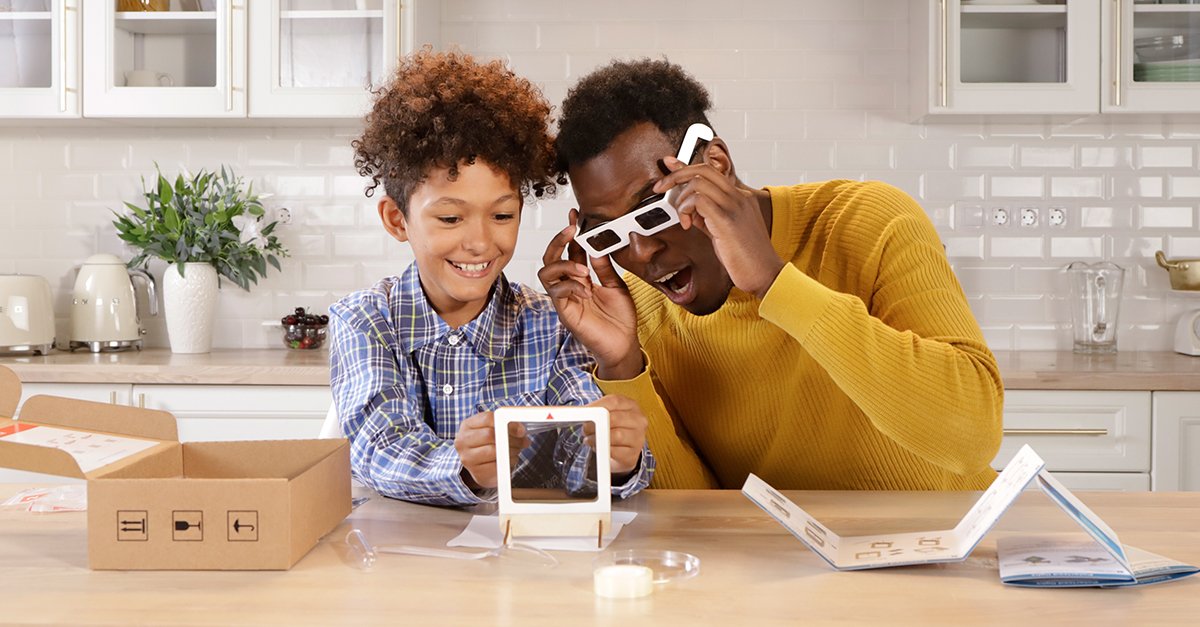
(443, 109)
(614, 98)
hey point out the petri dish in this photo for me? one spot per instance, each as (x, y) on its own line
(667, 565)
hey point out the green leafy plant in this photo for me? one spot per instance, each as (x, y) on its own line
(205, 218)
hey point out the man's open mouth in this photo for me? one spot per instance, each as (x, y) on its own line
(676, 283)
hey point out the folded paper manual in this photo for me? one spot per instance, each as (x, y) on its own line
(951, 545)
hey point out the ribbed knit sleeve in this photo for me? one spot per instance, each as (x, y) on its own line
(911, 356)
(667, 438)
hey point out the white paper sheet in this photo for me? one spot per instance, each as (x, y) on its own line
(90, 450)
(483, 532)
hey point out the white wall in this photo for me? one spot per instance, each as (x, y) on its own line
(805, 90)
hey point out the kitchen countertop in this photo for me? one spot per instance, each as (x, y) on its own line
(752, 570)
(1021, 370)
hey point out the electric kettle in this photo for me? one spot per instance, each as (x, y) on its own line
(26, 315)
(104, 315)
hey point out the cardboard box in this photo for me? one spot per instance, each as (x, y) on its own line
(157, 504)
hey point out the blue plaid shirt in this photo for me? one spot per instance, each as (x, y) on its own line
(403, 381)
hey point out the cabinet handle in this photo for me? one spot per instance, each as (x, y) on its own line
(1117, 52)
(1056, 432)
(944, 64)
(112, 397)
(229, 59)
(399, 30)
(62, 57)
(142, 401)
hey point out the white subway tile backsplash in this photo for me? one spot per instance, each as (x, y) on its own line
(748, 34)
(329, 276)
(1166, 157)
(1184, 247)
(1017, 186)
(992, 157)
(622, 36)
(864, 155)
(565, 35)
(950, 186)
(269, 153)
(68, 186)
(1076, 247)
(1111, 157)
(1017, 247)
(1137, 186)
(299, 186)
(743, 94)
(835, 124)
(802, 95)
(1185, 187)
(777, 125)
(964, 247)
(1097, 217)
(865, 95)
(1047, 156)
(349, 245)
(326, 215)
(1136, 247)
(20, 243)
(804, 155)
(1077, 186)
(507, 36)
(865, 35)
(1167, 217)
(678, 34)
(85, 155)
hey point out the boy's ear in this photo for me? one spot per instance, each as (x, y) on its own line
(716, 154)
(393, 219)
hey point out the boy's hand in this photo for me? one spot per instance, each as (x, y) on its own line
(627, 432)
(730, 216)
(476, 445)
(601, 316)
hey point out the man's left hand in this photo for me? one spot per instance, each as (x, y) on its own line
(709, 200)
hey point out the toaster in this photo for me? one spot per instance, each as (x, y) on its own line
(26, 315)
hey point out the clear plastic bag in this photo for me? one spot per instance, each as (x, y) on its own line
(63, 498)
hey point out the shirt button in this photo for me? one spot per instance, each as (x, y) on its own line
(453, 339)
(447, 389)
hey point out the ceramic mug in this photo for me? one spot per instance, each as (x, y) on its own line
(147, 78)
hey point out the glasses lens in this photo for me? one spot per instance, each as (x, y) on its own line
(603, 239)
(653, 218)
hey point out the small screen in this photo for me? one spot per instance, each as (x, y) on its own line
(555, 465)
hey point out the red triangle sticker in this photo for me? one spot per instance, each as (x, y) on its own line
(549, 416)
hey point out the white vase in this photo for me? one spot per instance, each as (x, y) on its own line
(190, 305)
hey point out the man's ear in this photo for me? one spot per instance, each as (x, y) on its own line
(393, 219)
(716, 154)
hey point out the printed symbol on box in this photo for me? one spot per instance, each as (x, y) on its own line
(187, 526)
(243, 526)
(131, 526)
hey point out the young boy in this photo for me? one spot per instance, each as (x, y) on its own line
(420, 361)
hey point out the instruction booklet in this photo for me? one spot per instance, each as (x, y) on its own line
(954, 545)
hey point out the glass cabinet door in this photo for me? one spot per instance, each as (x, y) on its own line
(1152, 56)
(321, 58)
(165, 58)
(39, 58)
(1019, 56)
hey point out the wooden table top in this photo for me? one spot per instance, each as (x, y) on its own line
(752, 571)
(1021, 370)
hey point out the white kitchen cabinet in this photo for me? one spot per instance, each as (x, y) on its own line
(319, 58)
(1065, 58)
(212, 413)
(1176, 441)
(1089, 439)
(39, 60)
(198, 58)
(1143, 72)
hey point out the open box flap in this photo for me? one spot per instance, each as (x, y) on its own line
(10, 392)
(85, 453)
(100, 417)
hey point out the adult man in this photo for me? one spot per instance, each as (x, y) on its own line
(813, 335)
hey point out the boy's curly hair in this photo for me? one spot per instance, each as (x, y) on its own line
(614, 98)
(443, 109)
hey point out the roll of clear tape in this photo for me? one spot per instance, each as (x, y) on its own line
(623, 581)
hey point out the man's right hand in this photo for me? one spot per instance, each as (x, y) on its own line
(476, 445)
(601, 316)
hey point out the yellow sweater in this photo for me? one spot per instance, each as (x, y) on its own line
(863, 367)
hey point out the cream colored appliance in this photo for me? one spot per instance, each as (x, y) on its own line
(104, 314)
(26, 315)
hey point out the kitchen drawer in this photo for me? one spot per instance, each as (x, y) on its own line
(1079, 431)
(211, 413)
(1108, 481)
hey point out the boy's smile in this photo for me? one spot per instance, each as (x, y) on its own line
(462, 232)
(681, 263)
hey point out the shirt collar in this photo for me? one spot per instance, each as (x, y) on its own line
(489, 333)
